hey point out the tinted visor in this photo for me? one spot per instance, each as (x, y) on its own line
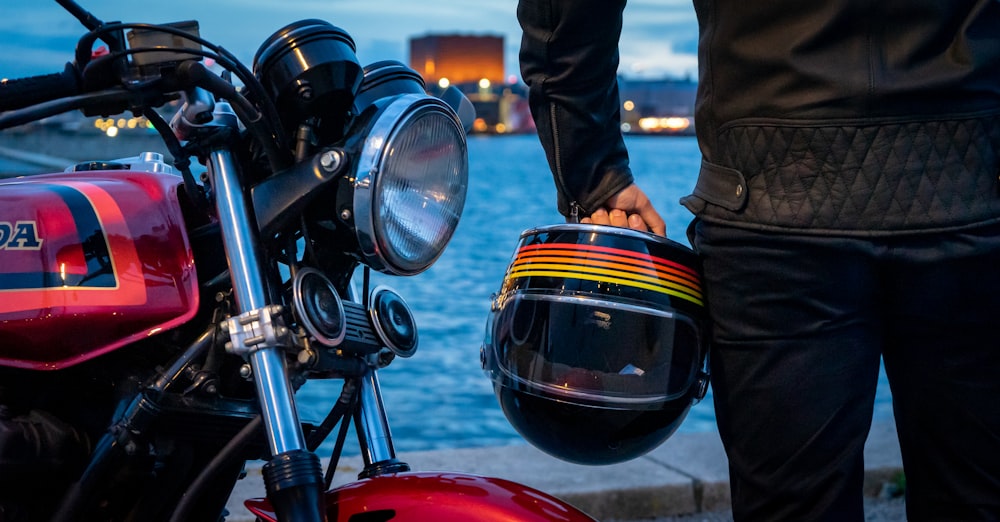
(591, 351)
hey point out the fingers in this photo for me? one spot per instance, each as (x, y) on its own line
(635, 221)
(620, 218)
(654, 223)
(599, 217)
(616, 218)
(629, 208)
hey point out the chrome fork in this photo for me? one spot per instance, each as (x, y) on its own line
(371, 422)
(293, 475)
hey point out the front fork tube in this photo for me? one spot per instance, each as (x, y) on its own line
(373, 430)
(293, 476)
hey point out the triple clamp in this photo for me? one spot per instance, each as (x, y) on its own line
(256, 330)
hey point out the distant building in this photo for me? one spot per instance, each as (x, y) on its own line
(475, 65)
(459, 59)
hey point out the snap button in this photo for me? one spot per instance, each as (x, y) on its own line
(739, 190)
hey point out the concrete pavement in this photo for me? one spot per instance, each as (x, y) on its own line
(686, 475)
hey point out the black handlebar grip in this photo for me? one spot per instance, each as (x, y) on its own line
(23, 92)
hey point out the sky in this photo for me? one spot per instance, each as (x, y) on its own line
(659, 37)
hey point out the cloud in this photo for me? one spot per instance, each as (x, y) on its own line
(659, 37)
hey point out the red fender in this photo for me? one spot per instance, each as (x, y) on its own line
(438, 497)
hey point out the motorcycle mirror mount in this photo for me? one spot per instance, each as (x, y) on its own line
(462, 106)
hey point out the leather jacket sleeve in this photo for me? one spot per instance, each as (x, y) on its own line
(569, 60)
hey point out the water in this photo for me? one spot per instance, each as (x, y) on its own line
(440, 398)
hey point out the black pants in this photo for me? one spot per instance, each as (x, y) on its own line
(800, 323)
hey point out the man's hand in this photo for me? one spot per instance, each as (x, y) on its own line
(629, 208)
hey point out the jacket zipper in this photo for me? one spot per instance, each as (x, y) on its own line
(574, 208)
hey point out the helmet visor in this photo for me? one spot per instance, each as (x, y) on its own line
(592, 351)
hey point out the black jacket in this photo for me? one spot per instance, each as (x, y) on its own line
(845, 116)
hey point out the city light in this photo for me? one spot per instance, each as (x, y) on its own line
(112, 126)
(443, 83)
(670, 124)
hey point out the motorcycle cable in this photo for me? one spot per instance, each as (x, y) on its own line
(264, 122)
(141, 411)
(223, 57)
(103, 98)
(192, 73)
(338, 447)
(340, 409)
(88, 20)
(365, 286)
(226, 456)
(341, 412)
(182, 160)
(115, 41)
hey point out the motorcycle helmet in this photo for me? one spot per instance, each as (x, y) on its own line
(595, 343)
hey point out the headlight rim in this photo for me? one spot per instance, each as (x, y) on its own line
(385, 126)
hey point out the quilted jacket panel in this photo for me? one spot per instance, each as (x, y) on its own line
(855, 177)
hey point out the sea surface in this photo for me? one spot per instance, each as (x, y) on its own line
(440, 398)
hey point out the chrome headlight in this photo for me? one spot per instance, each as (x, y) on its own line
(410, 184)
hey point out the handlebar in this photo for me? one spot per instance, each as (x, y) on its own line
(23, 92)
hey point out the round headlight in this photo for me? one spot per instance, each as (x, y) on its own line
(411, 183)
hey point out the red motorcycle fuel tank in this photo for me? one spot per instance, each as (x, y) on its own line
(438, 497)
(89, 262)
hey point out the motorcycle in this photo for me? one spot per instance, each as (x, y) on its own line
(157, 318)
